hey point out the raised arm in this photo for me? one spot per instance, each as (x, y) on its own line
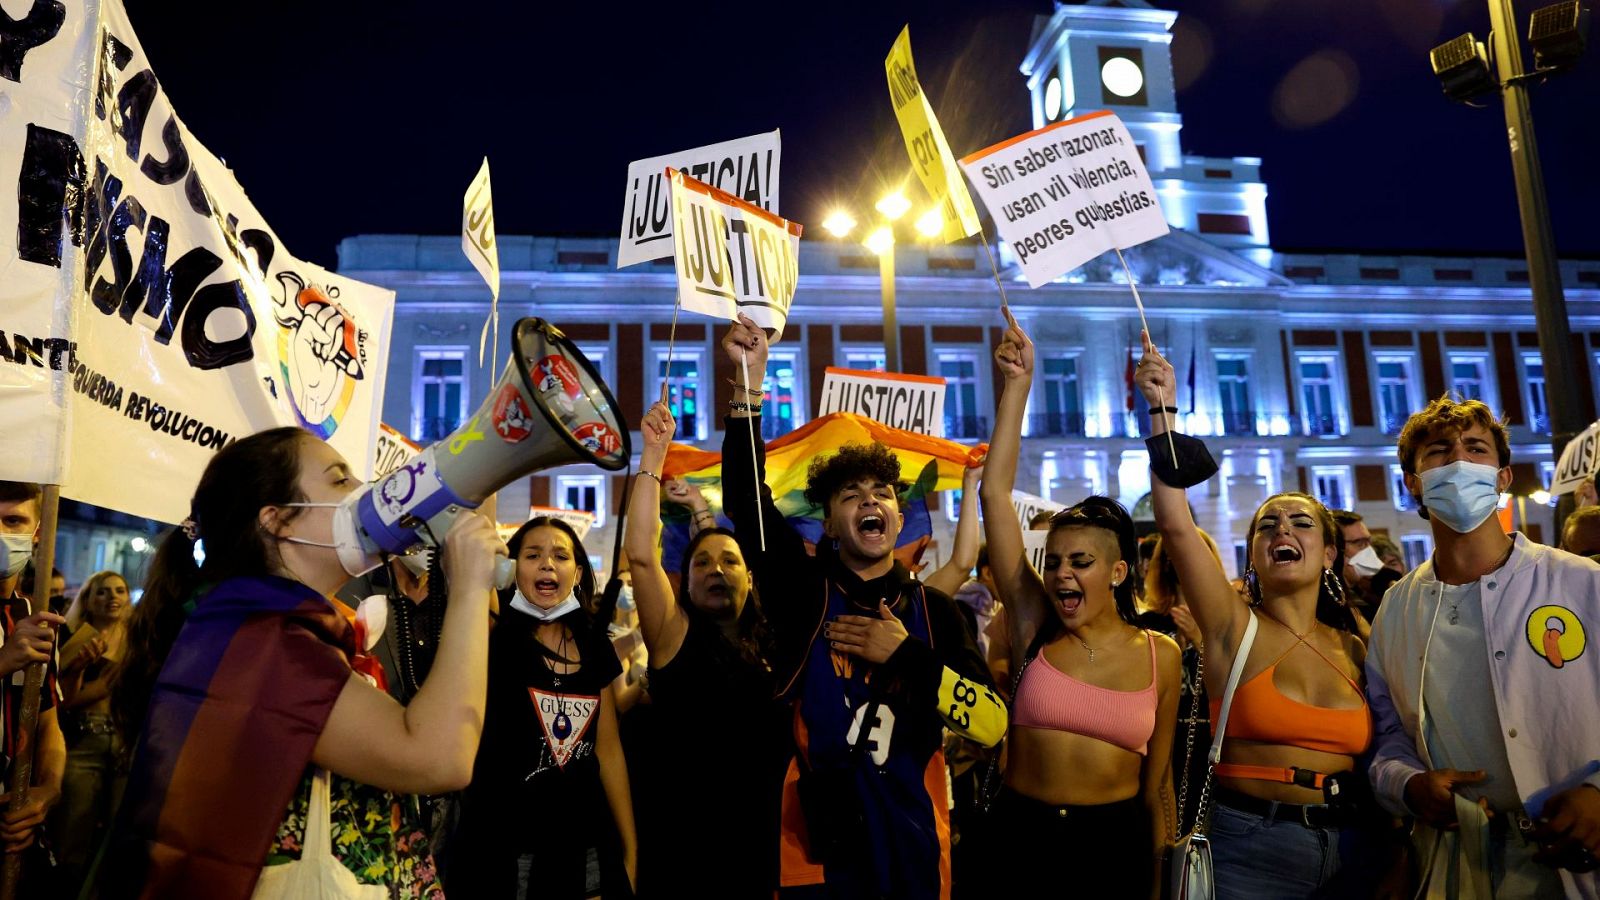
(746, 499)
(964, 555)
(661, 619)
(429, 746)
(1214, 602)
(1021, 589)
(688, 495)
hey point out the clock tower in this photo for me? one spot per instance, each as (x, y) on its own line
(1117, 55)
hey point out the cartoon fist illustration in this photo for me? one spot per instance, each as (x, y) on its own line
(323, 344)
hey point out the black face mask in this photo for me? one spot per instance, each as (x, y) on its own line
(1194, 466)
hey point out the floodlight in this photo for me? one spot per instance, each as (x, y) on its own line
(1462, 66)
(1557, 33)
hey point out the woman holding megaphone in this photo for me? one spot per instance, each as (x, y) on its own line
(265, 765)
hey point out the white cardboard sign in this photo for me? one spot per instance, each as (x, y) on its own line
(907, 402)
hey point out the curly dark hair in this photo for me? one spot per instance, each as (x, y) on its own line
(854, 462)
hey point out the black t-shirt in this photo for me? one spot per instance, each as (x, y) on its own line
(539, 732)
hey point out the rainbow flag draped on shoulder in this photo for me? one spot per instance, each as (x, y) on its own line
(930, 464)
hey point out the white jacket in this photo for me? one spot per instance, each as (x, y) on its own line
(1541, 616)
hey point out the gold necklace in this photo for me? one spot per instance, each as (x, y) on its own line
(1085, 646)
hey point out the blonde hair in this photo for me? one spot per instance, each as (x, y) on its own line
(1161, 579)
(78, 612)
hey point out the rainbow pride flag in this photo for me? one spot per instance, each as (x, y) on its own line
(930, 464)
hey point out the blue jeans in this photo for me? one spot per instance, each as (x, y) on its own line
(1257, 859)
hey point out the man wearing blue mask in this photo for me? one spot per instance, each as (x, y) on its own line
(1483, 695)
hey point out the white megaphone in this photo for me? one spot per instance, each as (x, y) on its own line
(549, 409)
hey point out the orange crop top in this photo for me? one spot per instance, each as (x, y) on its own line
(1261, 713)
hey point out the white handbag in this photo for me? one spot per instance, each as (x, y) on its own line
(1190, 877)
(317, 874)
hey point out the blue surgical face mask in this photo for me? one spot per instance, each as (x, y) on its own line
(522, 604)
(18, 550)
(1462, 494)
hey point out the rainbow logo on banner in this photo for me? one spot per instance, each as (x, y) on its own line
(320, 354)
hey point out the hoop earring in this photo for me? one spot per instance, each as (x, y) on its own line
(1331, 584)
(1252, 584)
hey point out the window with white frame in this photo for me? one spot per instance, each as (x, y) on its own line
(1331, 485)
(1416, 548)
(780, 411)
(962, 421)
(1404, 500)
(1321, 393)
(865, 359)
(1233, 393)
(1063, 399)
(686, 392)
(599, 356)
(1134, 422)
(438, 392)
(1533, 392)
(1547, 473)
(952, 505)
(1470, 377)
(1241, 557)
(586, 493)
(1395, 383)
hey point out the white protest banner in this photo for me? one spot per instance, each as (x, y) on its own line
(1066, 193)
(931, 158)
(1579, 461)
(194, 327)
(392, 450)
(745, 167)
(907, 402)
(477, 242)
(43, 74)
(1029, 505)
(580, 520)
(1033, 548)
(732, 257)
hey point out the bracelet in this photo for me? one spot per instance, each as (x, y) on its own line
(1169, 410)
(740, 387)
(704, 512)
(651, 474)
(744, 407)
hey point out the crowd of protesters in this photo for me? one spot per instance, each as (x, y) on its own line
(819, 721)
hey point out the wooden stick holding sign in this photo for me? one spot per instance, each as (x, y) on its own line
(1161, 396)
(44, 561)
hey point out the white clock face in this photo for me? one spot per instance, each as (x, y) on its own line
(1052, 99)
(1121, 76)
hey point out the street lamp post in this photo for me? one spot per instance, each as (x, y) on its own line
(892, 207)
(891, 333)
(1544, 273)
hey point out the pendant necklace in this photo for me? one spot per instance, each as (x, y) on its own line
(1085, 646)
(561, 728)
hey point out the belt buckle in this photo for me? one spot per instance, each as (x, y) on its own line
(1305, 778)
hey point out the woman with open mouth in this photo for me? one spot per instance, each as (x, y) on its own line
(711, 817)
(1088, 778)
(550, 742)
(1293, 815)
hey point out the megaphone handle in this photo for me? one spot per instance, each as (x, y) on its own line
(505, 573)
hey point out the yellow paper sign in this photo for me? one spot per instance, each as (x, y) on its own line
(930, 155)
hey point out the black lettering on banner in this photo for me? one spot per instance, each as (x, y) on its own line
(112, 240)
(120, 55)
(18, 36)
(177, 161)
(49, 189)
(133, 103)
(200, 350)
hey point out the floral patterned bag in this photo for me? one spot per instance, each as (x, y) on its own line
(317, 874)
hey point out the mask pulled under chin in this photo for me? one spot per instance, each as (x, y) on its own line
(524, 605)
(1462, 495)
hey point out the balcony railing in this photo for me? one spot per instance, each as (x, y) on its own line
(1055, 424)
(966, 428)
(1321, 425)
(436, 428)
(1239, 422)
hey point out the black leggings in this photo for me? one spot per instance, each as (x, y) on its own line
(1102, 851)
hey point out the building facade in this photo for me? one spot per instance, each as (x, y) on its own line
(1299, 369)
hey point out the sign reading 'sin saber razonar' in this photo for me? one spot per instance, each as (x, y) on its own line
(732, 257)
(1067, 193)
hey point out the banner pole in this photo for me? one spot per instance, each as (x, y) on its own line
(672, 338)
(44, 561)
(993, 268)
(761, 516)
(1160, 394)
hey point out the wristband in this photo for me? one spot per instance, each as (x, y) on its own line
(651, 474)
(744, 407)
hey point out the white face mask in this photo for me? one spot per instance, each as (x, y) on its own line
(524, 605)
(358, 557)
(1366, 563)
(417, 561)
(18, 550)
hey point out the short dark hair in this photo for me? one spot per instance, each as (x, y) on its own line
(829, 474)
(1112, 520)
(584, 587)
(19, 491)
(1343, 517)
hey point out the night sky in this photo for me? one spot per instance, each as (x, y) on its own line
(361, 116)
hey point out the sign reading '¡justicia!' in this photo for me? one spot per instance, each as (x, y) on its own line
(907, 402)
(1066, 193)
(733, 258)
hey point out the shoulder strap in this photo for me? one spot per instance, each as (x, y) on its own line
(1240, 655)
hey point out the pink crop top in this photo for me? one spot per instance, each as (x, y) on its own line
(1049, 698)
